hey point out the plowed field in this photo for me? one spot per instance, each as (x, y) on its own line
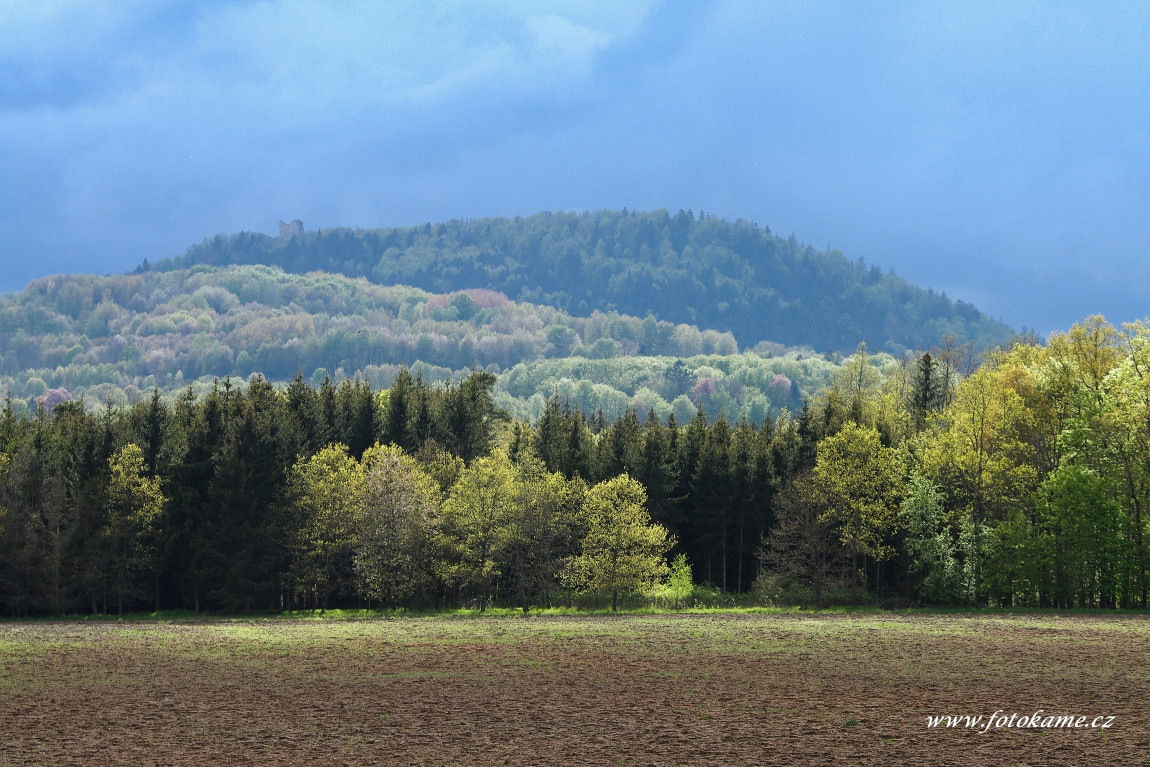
(722, 689)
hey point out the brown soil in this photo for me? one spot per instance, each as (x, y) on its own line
(636, 690)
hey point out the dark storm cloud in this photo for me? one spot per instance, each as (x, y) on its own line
(995, 152)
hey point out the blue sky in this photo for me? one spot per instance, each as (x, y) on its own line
(997, 151)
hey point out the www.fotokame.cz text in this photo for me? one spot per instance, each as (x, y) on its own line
(1038, 720)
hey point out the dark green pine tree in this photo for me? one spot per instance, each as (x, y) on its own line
(396, 430)
(422, 420)
(808, 436)
(84, 451)
(199, 429)
(620, 448)
(479, 405)
(712, 491)
(658, 472)
(146, 423)
(305, 431)
(550, 437)
(355, 416)
(326, 428)
(689, 441)
(247, 554)
(751, 495)
(926, 390)
(580, 445)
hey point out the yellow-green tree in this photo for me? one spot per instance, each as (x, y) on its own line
(474, 526)
(400, 521)
(982, 452)
(1115, 438)
(135, 502)
(540, 528)
(861, 484)
(327, 497)
(623, 550)
(854, 393)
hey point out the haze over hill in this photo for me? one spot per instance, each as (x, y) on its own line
(702, 270)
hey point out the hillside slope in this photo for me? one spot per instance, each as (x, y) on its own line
(706, 271)
(109, 339)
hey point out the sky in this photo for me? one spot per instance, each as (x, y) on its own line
(999, 152)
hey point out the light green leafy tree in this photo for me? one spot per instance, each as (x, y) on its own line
(978, 452)
(623, 550)
(861, 483)
(475, 519)
(680, 584)
(393, 556)
(540, 528)
(327, 495)
(135, 502)
(929, 541)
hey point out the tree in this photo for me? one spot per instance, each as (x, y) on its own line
(135, 502)
(978, 454)
(861, 484)
(622, 549)
(540, 528)
(245, 532)
(465, 416)
(858, 381)
(680, 583)
(929, 541)
(712, 489)
(400, 520)
(327, 493)
(1109, 432)
(399, 400)
(1079, 521)
(926, 389)
(802, 555)
(474, 524)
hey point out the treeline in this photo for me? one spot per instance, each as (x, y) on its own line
(1024, 483)
(254, 498)
(682, 268)
(1020, 480)
(257, 498)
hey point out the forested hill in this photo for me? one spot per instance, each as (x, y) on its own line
(728, 275)
(111, 339)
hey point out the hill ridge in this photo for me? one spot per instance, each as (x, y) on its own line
(701, 270)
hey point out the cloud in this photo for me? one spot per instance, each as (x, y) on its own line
(126, 122)
(970, 147)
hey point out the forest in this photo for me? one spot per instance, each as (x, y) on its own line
(1020, 477)
(733, 276)
(111, 340)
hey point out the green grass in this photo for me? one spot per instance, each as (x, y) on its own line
(344, 614)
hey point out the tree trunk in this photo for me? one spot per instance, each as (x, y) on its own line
(724, 554)
(739, 586)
